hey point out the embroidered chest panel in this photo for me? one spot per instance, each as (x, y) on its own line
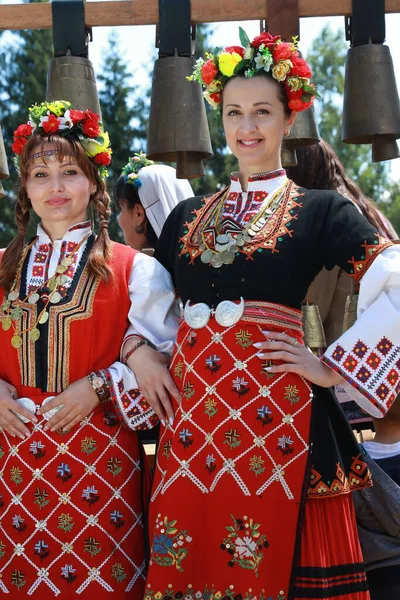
(204, 227)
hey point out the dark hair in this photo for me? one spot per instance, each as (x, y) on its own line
(281, 86)
(319, 168)
(100, 200)
(125, 192)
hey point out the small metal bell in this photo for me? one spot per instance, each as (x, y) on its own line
(314, 334)
(371, 108)
(350, 311)
(178, 129)
(303, 133)
(72, 78)
(4, 172)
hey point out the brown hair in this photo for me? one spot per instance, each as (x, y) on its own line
(319, 168)
(100, 201)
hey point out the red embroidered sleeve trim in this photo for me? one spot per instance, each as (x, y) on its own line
(371, 251)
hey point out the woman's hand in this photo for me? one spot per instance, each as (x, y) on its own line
(78, 401)
(9, 422)
(295, 359)
(153, 378)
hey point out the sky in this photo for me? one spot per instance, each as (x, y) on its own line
(137, 45)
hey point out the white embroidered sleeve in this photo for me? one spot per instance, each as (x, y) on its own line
(154, 314)
(367, 356)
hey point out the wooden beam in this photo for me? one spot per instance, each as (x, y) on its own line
(136, 12)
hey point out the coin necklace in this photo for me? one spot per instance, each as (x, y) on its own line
(227, 246)
(11, 311)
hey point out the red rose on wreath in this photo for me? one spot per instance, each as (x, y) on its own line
(238, 49)
(19, 143)
(24, 130)
(293, 94)
(265, 38)
(102, 158)
(216, 97)
(90, 125)
(52, 124)
(76, 115)
(298, 105)
(282, 51)
(300, 68)
(209, 71)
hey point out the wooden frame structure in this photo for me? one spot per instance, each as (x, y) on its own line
(136, 12)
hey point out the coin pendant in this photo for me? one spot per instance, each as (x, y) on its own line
(67, 262)
(227, 258)
(223, 238)
(5, 306)
(34, 334)
(44, 317)
(16, 313)
(252, 233)
(6, 323)
(61, 268)
(52, 283)
(216, 261)
(33, 298)
(16, 341)
(202, 247)
(13, 296)
(239, 241)
(55, 298)
(221, 247)
(206, 256)
(261, 221)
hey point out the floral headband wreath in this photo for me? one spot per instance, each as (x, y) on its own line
(130, 172)
(265, 53)
(61, 118)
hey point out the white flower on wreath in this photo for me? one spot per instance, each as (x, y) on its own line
(66, 121)
(32, 124)
(248, 53)
(245, 547)
(263, 61)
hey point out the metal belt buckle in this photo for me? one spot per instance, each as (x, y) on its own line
(228, 313)
(196, 316)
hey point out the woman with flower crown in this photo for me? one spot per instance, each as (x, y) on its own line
(251, 498)
(71, 467)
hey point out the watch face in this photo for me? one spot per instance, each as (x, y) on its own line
(97, 382)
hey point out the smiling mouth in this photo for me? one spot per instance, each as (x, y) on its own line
(57, 201)
(249, 143)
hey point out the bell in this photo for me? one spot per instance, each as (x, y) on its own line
(4, 172)
(350, 311)
(2, 192)
(314, 334)
(303, 133)
(72, 78)
(371, 108)
(178, 129)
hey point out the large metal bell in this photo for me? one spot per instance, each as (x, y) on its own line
(72, 78)
(4, 172)
(371, 109)
(303, 133)
(178, 129)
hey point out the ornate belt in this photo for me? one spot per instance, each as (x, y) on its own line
(228, 313)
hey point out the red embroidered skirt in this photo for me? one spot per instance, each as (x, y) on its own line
(71, 512)
(230, 471)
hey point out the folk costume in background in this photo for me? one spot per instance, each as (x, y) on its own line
(71, 502)
(252, 481)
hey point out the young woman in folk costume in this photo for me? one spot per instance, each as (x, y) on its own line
(71, 475)
(251, 498)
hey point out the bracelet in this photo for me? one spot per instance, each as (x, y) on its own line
(141, 342)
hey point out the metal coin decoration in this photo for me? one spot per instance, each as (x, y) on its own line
(53, 411)
(25, 403)
(226, 245)
(11, 311)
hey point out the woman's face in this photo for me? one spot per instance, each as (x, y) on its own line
(255, 122)
(59, 191)
(131, 220)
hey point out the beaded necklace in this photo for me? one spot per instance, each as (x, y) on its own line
(11, 311)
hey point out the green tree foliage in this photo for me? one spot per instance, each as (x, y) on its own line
(391, 205)
(23, 65)
(327, 59)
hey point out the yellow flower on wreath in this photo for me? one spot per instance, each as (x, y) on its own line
(281, 69)
(227, 62)
(93, 147)
(57, 107)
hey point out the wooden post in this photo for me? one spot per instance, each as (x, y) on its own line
(137, 12)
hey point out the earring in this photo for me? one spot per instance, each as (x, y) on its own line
(139, 229)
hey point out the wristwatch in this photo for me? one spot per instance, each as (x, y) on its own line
(99, 385)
